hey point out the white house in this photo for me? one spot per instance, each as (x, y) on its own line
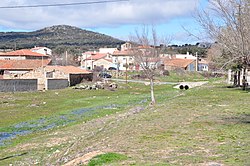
(126, 46)
(107, 50)
(90, 60)
(123, 58)
(42, 50)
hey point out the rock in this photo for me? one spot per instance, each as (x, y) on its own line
(113, 85)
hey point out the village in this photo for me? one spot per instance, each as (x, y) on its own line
(125, 82)
(33, 69)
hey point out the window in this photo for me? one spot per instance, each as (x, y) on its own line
(1, 72)
(49, 74)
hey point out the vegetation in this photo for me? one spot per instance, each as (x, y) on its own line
(57, 37)
(148, 56)
(228, 24)
(201, 126)
(106, 159)
(192, 49)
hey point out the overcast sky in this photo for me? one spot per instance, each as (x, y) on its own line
(118, 19)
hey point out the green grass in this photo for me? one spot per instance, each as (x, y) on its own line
(31, 107)
(183, 76)
(107, 158)
(19, 107)
(208, 124)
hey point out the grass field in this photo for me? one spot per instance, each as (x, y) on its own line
(202, 126)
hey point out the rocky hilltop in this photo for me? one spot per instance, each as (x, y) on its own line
(57, 36)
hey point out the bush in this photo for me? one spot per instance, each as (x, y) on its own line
(165, 73)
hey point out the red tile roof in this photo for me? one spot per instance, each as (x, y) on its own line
(22, 64)
(23, 52)
(96, 56)
(122, 53)
(144, 47)
(67, 69)
(178, 62)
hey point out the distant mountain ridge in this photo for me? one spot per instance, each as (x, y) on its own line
(57, 36)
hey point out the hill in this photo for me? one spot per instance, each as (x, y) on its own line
(57, 36)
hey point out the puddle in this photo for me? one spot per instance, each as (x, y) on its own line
(44, 124)
(5, 136)
(143, 101)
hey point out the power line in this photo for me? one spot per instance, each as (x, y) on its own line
(60, 4)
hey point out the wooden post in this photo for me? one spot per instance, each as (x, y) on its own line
(126, 70)
(197, 59)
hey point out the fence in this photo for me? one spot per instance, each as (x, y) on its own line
(56, 84)
(14, 85)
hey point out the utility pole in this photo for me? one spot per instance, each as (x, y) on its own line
(197, 59)
(66, 58)
(86, 68)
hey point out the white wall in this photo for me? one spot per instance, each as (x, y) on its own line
(42, 50)
(185, 56)
(126, 46)
(12, 57)
(122, 60)
(107, 50)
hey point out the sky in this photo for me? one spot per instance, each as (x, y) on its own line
(118, 19)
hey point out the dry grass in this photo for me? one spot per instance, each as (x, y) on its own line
(203, 126)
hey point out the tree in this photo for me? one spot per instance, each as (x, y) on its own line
(147, 54)
(228, 23)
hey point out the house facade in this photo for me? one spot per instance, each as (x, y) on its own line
(123, 60)
(202, 65)
(103, 63)
(72, 74)
(91, 60)
(126, 46)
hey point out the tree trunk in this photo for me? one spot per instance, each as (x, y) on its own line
(235, 79)
(152, 91)
(244, 81)
(238, 78)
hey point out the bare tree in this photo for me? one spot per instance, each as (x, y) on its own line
(228, 23)
(147, 53)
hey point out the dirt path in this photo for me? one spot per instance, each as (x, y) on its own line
(191, 84)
